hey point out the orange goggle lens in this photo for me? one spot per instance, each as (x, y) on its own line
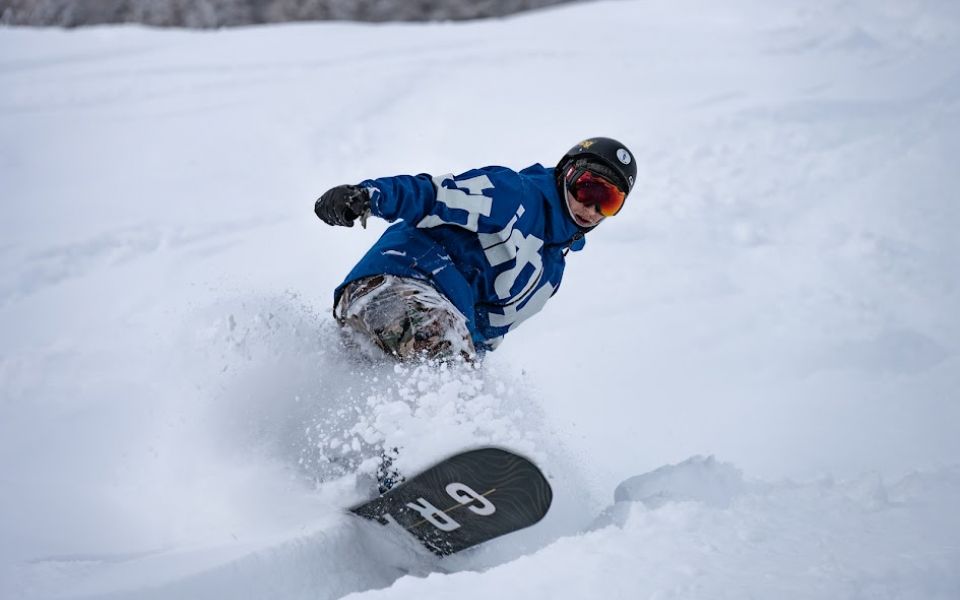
(593, 190)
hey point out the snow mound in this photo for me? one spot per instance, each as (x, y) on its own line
(860, 538)
(697, 479)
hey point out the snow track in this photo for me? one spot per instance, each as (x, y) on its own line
(335, 559)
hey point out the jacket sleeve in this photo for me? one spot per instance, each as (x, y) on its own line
(478, 200)
(407, 197)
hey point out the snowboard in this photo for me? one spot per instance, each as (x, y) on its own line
(465, 500)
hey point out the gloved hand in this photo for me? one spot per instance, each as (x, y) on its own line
(342, 205)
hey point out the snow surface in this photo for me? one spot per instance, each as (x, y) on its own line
(747, 386)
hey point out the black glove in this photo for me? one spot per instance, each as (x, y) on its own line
(342, 205)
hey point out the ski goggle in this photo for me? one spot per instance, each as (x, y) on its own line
(592, 189)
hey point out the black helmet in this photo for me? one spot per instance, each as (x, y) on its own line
(606, 157)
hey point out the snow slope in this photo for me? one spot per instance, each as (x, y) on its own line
(176, 418)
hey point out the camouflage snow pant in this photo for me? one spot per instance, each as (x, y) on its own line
(405, 318)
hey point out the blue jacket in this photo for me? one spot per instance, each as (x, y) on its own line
(491, 240)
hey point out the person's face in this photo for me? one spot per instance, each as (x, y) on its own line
(583, 215)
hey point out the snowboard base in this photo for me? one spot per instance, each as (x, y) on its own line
(465, 500)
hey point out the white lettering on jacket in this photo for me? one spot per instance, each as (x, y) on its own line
(470, 200)
(499, 248)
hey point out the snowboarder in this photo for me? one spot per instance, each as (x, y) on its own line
(474, 254)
